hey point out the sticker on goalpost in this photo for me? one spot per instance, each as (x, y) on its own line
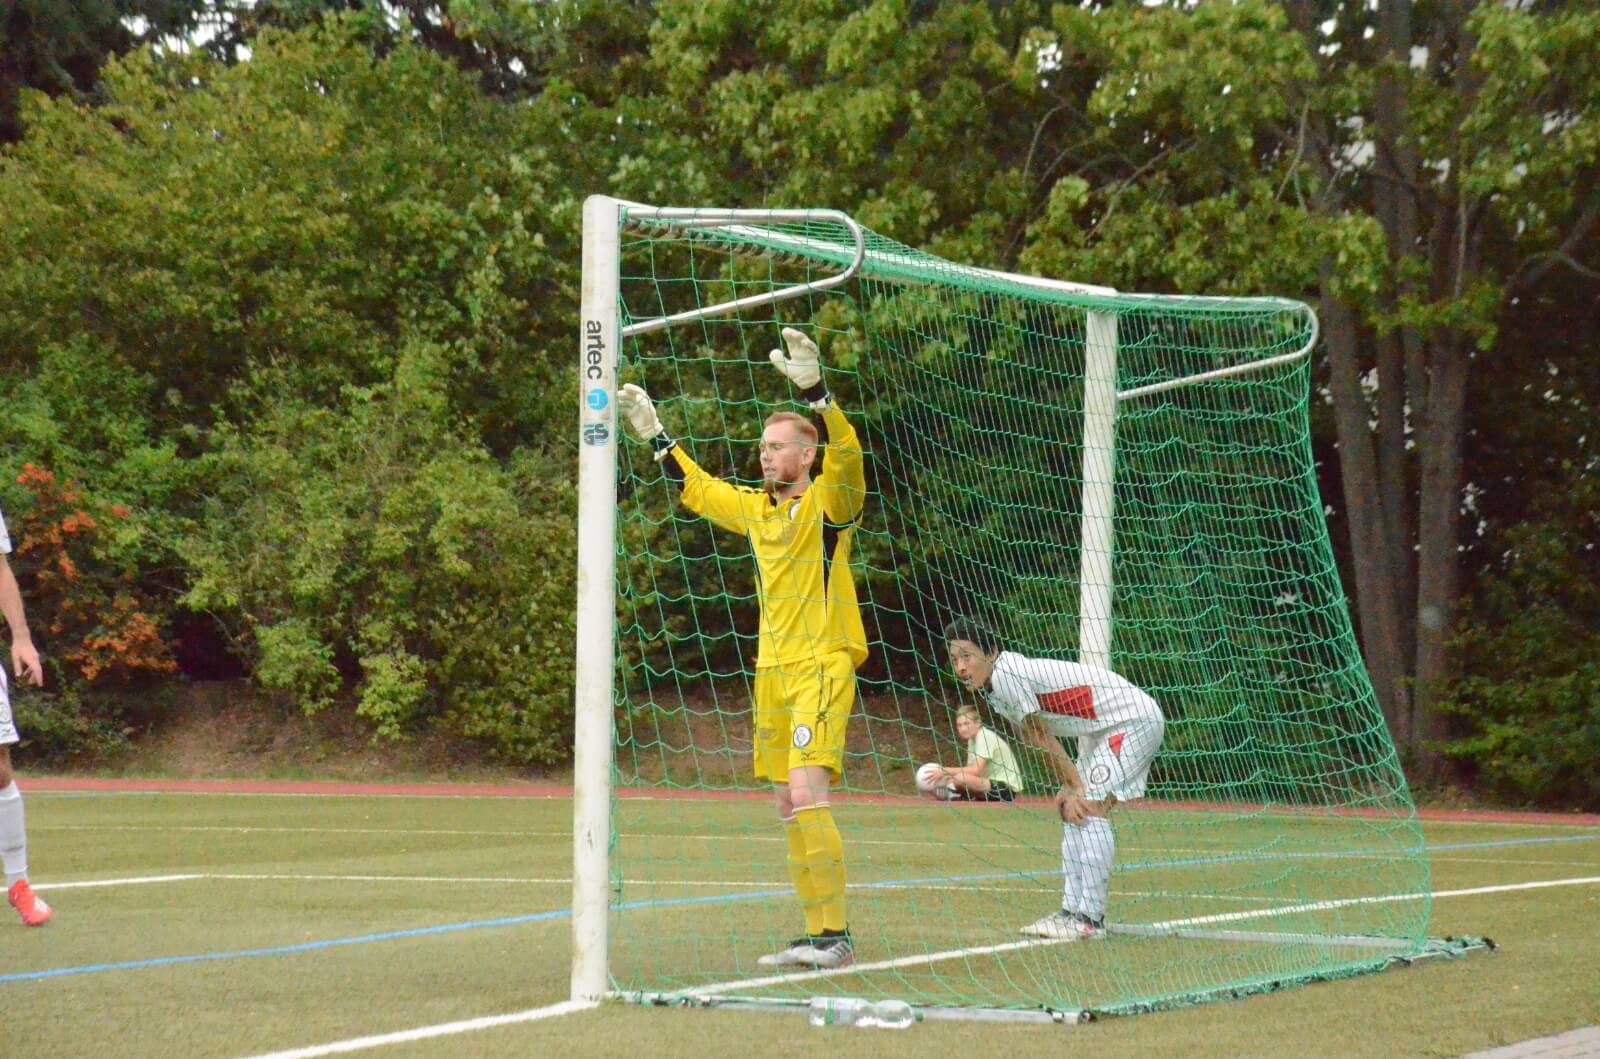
(802, 736)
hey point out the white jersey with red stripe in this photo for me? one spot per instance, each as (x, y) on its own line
(1075, 700)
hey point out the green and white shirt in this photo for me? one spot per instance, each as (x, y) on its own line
(987, 746)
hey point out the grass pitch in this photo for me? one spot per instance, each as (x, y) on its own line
(240, 925)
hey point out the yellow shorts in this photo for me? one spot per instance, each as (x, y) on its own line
(800, 716)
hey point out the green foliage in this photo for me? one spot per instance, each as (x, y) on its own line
(226, 273)
(1528, 698)
(903, 114)
(66, 726)
(374, 547)
(81, 416)
(303, 209)
(222, 270)
(58, 46)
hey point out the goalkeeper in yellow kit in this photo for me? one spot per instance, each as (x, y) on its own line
(812, 639)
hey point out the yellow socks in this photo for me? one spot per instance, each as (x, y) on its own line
(823, 851)
(800, 874)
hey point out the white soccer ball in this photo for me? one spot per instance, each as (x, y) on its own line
(928, 777)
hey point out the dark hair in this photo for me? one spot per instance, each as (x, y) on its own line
(973, 631)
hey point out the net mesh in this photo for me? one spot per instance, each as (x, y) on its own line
(1277, 841)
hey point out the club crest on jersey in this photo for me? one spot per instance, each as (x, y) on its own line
(802, 736)
(1099, 774)
(782, 530)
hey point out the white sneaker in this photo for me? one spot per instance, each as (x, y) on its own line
(829, 953)
(798, 954)
(1060, 926)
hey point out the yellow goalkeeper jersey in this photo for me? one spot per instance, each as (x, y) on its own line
(801, 546)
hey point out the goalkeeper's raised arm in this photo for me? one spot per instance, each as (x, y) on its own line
(789, 444)
(723, 503)
(812, 638)
(843, 482)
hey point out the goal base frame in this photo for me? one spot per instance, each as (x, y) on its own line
(1432, 948)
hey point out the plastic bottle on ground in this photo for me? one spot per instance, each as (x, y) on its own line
(837, 1010)
(853, 1011)
(893, 1015)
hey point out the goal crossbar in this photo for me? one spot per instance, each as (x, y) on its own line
(752, 227)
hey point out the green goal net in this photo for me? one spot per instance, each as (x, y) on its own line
(1121, 480)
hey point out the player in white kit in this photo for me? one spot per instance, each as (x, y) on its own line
(13, 836)
(1118, 727)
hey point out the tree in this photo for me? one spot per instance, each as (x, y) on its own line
(1484, 125)
(310, 209)
(1407, 170)
(59, 46)
(296, 316)
(902, 113)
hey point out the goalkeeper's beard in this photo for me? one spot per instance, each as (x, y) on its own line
(773, 487)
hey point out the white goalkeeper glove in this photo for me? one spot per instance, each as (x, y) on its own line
(640, 413)
(803, 366)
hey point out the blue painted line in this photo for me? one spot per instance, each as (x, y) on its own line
(709, 899)
(394, 935)
(281, 950)
(1520, 842)
(676, 902)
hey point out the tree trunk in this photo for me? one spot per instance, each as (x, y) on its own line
(1394, 191)
(1394, 481)
(1376, 600)
(1439, 561)
(1455, 258)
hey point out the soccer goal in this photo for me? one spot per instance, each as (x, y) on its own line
(1124, 480)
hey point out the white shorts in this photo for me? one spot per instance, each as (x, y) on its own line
(8, 727)
(1119, 762)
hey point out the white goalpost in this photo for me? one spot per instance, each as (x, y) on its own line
(1154, 449)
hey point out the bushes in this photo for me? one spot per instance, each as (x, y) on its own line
(97, 625)
(98, 618)
(375, 547)
(1528, 703)
(289, 314)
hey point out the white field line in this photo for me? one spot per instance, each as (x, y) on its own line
(759, 884)
(250, 830)
(136, 881)
(265, 877)
(65, 793)
(742, 838)
(564, 836)
(568, 1007)
(430, 879)
(1171, 924)
(443, 1029)
(1504, 863)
